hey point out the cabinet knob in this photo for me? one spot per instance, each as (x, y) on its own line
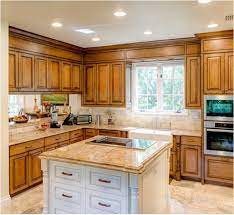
(104, 181)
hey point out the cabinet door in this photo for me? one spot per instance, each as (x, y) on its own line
(193, 82)
(41, 72)
(26, 72)
(173, 163)
(214, 73)
(66, 76)
(117, 86)
(191, 161)
(18, 173)
(89, 95)
(34, 166)
(219, 169)
(53, 78)
(229, 73)
(13, 71)
(103, 83)
(76, 77)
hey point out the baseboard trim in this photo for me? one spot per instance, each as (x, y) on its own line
(4, 199)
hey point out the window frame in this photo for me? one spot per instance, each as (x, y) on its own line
(159, 110)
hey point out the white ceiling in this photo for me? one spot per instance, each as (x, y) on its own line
(166, 19)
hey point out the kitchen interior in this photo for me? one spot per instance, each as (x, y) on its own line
(112, 112)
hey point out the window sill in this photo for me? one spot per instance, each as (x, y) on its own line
(185, 113)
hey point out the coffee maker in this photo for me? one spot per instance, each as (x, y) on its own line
(54, 117)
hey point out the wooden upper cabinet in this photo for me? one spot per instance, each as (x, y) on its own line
(117, 84)
(53, 78)
(76, 77)
(89, 94)
(193, 82)
(229, 73)
(13, 71)
(41, 72)
(103, 83)
(26, 72)
(66, 76)
(214, 73)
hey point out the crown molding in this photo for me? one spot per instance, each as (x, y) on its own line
(226, 33)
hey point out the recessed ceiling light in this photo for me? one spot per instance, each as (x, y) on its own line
(204, 1)
(147, 32)
(95, 39)
(57, 24)
(85, 31)
(214, 25)
(120, 13)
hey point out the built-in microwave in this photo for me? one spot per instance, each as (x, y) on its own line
(218, 107)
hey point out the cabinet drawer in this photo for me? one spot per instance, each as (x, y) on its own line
(189, 140)
(112, 133)
(24, 147)
(90, 132)
(219, 169)
(68, 200)
(99, 203)
(68, 174)
(51, 147)
(106, 180)
(75, 140)
(75, 134)
(56, 139)
(65, 143)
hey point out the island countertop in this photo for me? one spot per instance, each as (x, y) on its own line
(106, 156)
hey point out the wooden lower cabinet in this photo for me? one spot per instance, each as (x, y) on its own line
(51, 147)
(219, 170)
(191, 161)
(112, 133)
(18, 172)
(34, 166)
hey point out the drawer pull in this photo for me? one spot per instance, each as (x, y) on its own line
(104, 181)
(67, 174)
(104, 205)
(64, 195)
(57, 139)
(28, 147)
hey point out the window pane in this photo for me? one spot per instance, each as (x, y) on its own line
(152, 102)
(178, 103)
(152, 87)
(167, 102)
(140, 73)
(178, 86)
(167, 86)
(142, 86)
(167, 72)
(152, 73)
(142, 102)
(179, 72)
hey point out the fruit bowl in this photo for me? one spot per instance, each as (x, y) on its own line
(20, 119)
(44, 126)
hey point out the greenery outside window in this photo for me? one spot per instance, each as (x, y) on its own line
(158, 87)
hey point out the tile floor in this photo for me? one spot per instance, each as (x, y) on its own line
(186, 197)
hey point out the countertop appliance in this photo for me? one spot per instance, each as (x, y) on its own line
(123, 142)
(54, 118)
(218, 107)
(69, 120)
(218, 138)
(83, 119)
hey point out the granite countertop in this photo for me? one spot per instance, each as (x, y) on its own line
(106, 156)
(36, 134)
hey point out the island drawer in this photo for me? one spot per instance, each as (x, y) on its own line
(68, 200)
(100, 202)
(56, 139)
(69, 174)
(111, 181)
(75, 140)
(76, 134)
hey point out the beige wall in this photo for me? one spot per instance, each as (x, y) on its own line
(4, 157)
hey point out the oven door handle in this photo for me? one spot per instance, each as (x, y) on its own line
(219, 130)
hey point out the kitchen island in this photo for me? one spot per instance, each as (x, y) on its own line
(100, 178)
